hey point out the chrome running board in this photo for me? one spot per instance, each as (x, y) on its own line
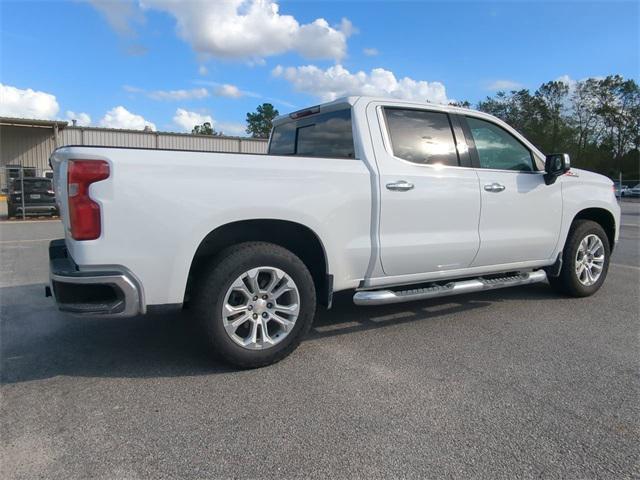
(383, 297)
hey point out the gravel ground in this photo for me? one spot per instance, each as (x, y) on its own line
(517, 383)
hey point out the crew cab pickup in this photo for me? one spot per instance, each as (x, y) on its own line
(393, 200)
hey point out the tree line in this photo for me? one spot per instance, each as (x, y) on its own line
(596, 121)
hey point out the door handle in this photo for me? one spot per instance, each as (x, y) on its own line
(494, 187)
(399, 186)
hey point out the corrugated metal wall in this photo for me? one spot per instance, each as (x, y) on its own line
(171, 141)
(32, 146)
(27, 146)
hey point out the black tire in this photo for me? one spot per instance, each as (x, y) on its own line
(217, 277)
(568, 282)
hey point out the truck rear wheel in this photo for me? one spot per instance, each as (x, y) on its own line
(585, 260)
(256, 302)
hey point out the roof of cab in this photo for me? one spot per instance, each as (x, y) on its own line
(352, 100)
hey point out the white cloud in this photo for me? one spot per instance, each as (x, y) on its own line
(202, 70)
(131, 89)
(227, 90)
(337, 81)
(179, 94)
(370, 52)
(16, 102)
(567, 80)
(504, 85)
(82, 119)
(231, 128)
(186, 120)
(120, 14)
(252, 29)
(120, 117)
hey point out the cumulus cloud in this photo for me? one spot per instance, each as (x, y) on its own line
(27, 103)
(252, 29)
(120, 117)
(195, 93)
(504, 85)
(119, 14)
(82, 119)
(227, 90)
(370, 52)
(337, 81)
(186, 120)
(231, 128)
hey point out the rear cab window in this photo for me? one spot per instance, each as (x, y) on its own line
(325, 134)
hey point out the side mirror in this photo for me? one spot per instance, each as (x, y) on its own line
(555, 165)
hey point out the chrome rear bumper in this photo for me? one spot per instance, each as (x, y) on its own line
(113, 292)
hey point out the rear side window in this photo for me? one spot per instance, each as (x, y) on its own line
(324, 135)
(497, 148)
(421, 136)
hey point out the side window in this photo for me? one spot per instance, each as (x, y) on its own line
(421, 136)
(497, 148)
(325, 135)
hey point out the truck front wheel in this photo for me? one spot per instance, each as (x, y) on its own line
(585, 260)
(256, 301)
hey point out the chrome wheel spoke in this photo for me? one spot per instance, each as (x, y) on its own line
(281, 291)
(275, 279)
(230, 310)
(286, 324)
(233, 325)
(252, 278)
(239, 286)
(292, 309)
(266, 339)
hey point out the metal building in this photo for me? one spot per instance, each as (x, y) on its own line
(27, 144)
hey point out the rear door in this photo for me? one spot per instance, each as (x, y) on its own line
(430, 206)
(521, 215)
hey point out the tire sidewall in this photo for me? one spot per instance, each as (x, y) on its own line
(220, 281)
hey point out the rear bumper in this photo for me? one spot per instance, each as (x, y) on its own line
(37, 208)
(113, 292)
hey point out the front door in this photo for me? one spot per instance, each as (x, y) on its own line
(521, 215)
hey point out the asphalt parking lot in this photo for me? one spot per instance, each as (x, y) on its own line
(518, 383)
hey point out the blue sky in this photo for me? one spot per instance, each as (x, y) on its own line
(122, 64)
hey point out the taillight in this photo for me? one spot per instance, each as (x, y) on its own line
(84, 213)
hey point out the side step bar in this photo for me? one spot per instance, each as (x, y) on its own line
(383, 297)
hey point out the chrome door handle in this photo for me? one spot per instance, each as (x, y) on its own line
(399, 186)
(494, 187)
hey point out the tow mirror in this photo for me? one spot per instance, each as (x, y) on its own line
(555, 165)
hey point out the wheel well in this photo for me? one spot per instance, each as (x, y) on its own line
(297, 238)
(602, 217)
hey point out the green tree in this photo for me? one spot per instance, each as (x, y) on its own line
(553, 100)
(596, 121)
(259, 124)
(461, 103)
(205, 129)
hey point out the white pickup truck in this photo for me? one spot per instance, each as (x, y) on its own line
(394, 200)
